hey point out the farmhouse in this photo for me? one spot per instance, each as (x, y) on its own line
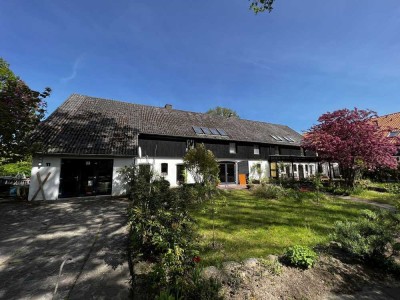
(391, 128)
(87, 141)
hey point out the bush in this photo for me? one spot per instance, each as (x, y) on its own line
(368, 237)
(393, 188)
(300, 256)
(197, 287)
(269, 191)
(161, 229)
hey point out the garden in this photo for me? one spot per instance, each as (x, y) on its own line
(274, 240)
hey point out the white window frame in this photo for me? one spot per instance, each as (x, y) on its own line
(232, 148)
(256, 149)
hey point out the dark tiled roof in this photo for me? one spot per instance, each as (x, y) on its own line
(88, 125)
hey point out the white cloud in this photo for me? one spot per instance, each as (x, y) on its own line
(75, 68)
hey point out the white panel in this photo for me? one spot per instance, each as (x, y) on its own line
(264, 169)
(50, 165)
(118, 185)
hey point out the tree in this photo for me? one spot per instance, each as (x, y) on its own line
(203, 166)
(351, 138)
(261, 5)
(21, 110)
(222, 111)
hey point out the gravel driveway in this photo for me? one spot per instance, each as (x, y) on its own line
(89, 236)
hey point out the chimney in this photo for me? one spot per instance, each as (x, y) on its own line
(168, 106)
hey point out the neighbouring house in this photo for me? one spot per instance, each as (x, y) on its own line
(87, 141)
(391, 127)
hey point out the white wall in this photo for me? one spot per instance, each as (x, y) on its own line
(118, 187)
(52, 184)
(172, 163)
(264, 168)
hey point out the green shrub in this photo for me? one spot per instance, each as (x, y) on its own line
(269, 191)
(22, 167)
(196, 287)
(272, 265)
(161, 229)
(300, 256)
(167, 295)
(368, 237)
(393, 188)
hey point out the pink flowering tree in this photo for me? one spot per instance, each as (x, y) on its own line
(352, 139)
(21, 110)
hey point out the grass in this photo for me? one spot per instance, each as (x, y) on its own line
(247, 226)
(375, 196)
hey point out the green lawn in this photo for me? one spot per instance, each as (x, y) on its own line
(250, 227)
(379, 197)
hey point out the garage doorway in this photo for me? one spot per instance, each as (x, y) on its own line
(85, 177)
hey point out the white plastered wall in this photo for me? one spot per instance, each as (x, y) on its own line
(52, 185)
(118, 186)
(49, 165)
(171, 176)
(265, 172)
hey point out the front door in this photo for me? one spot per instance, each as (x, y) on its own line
(227, 172)
(85, 177)
(301, 172)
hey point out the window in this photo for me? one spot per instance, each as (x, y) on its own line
(214, 131)
(145, 170)
(393, 133)
(197, 130)
(222, 132)
(232, 148)
(164, 168)
(256, 150)
(306, 168)
(294, 168)
(206, 130)
(180, 174)
(311, 169)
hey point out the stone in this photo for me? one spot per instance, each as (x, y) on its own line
(230, 267)
(211, 272)
(251, 263)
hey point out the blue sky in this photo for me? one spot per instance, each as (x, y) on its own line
(286, 67)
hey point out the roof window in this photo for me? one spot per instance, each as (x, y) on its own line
(209, 131)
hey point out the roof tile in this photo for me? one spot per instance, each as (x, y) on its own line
(89, 125)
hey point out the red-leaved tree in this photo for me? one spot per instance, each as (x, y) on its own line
(21, 110)
(352, 139)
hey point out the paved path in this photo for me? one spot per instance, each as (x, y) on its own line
(90, 237)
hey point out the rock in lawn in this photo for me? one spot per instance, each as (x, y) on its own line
(250, 263)
(212, 272)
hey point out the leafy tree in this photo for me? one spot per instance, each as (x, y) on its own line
(21, 110)
(261, 5)
(352, 139)
(203, 166)
(222, 111)
(21, 167)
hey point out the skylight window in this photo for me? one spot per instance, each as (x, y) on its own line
(222, 132)
(206, 130)
(214, 131)
(277, 138)
(197, 130)
(209, 131)
(393, 133)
